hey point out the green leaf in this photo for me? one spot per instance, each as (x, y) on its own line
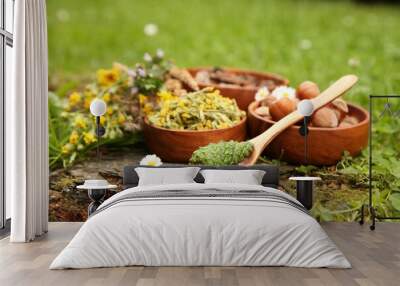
(349, 171)
(394, 198)
(303, 169)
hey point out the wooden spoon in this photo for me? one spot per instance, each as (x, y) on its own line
(331, 93)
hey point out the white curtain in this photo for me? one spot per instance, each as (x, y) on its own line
(27, 124)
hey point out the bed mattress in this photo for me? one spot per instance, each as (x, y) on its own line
(201, 225)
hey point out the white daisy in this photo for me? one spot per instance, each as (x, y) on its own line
(284, 91)
(353, 62)
(305, 44)
(63, 15)
(151, 160)
(160, 53)
(147, 57)
(150, 29)
(262, 93)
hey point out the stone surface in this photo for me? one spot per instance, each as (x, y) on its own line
(67, 203)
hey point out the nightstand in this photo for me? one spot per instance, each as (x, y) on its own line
(96, 194)
(304, 190)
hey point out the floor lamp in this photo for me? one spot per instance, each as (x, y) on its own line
(97, 189)
(304, 185)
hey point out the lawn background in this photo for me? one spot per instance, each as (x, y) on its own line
(316, 40)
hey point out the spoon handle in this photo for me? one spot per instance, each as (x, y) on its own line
(334, 91)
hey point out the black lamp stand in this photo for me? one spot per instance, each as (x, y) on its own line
(305, 187)
(304, 132)
(100, 131)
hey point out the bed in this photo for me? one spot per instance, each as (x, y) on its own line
(198, 224)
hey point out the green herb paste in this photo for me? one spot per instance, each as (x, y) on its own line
(222, 153)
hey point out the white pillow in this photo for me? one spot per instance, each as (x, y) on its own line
(248, 177)
(166, 176)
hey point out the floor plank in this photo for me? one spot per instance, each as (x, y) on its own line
(375, 257)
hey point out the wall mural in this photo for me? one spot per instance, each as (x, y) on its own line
(176, 94)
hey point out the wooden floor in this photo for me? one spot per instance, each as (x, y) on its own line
(375, 257)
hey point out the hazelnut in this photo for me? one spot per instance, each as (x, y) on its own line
(345, 124)
(341, 105)
(352, 120)
(325, 117)
(340, 115)
(307, 90)
(281, 108)
(262, 111)
(268, 100)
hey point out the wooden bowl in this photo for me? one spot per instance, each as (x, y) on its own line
(177, 146)
(243, 95)
(325, 145)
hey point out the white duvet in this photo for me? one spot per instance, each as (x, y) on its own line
(200, 231)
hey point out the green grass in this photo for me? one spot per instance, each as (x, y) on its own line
(255, 34)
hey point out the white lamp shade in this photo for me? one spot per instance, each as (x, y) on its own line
(98, 107)
(305, 107)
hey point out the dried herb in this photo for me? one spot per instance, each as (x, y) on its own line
(202, 110)
(222, 153)
(184, 76)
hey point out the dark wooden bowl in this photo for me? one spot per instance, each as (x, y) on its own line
(243, 95)
(325, 145)
(177, 146)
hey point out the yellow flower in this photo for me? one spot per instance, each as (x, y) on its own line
(110, 110)
(88, 99)
(147, 108)
(181, 103)
(89, 138)
(89, 93)
(67, 148)
(74, 137)
(107, 97)
(87, 102)
(121, 118)
(80, 122)
(102, 120)
(74, 99)
(142, 99)
(108, 77)
(165, 95)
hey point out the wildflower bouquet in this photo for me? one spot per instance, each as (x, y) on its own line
(114, 86)
(128, 93)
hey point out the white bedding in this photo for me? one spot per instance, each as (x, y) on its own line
(192, 231)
